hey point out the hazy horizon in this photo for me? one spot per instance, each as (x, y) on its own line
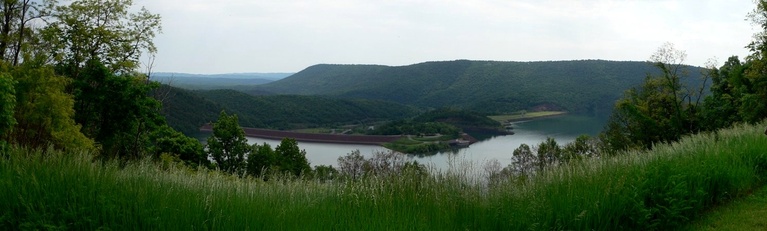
(236, 36)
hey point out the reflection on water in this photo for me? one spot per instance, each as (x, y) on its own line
(324, 153)
(562, 128)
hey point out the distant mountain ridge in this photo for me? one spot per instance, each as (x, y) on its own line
(216, 81)
(587, 86)
(247, 75)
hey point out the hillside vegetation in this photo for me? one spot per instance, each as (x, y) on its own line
(188, 110)
(293, 111)
(650, 190)
(586, 86)
(185, 110)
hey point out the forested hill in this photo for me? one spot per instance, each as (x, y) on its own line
(589, 86)
(187, 110)
(295, 111)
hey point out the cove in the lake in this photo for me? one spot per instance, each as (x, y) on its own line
(563, 128)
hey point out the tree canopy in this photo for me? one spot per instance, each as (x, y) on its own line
(227, 145)
(72, 82)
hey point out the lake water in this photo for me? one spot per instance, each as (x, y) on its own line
(563, 128)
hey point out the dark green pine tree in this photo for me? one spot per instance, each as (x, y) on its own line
(228, 146)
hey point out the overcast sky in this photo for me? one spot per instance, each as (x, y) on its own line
(231, 36)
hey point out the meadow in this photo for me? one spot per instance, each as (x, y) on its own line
(665, 188)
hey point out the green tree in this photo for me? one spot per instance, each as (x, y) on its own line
(523, 161)
(753, 102)
(662, 109)
(104, 30)
(187, 149)
(325, 173)
(739, 89)
(290, 158)
(228, 146)
(261, 159)
(582, 147)
(44, 112)
(96, 44)
(353, 165)
(116, 111)
(16, 32)
(548, 153)
(721, 107)
(7, 103)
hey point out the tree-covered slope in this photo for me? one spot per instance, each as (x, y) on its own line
(188, 110)
(489, 86)
(185, 110)
(294, 111)
(325, 79)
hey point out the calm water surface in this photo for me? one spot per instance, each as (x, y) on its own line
(563, 128)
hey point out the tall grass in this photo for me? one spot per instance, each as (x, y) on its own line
(660, 189)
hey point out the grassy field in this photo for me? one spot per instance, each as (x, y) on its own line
(525, 116)
(749, 213)
(658, 190)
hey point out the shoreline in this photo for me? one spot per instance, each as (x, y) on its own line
(312, 137)
(375, 140)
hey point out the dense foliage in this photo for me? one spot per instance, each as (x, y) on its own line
(7, 104)
(409, 127)
(292, 111)
(174, 144)
(662, 109)
(459, 118)
(666, 107)
(185, 110)
(585, 86)
(228, 147)
(74, 84)
(44, 111)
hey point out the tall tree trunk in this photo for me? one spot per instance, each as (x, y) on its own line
(22, 23)
(5, 29)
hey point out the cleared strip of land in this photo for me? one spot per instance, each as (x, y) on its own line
(526, 116)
